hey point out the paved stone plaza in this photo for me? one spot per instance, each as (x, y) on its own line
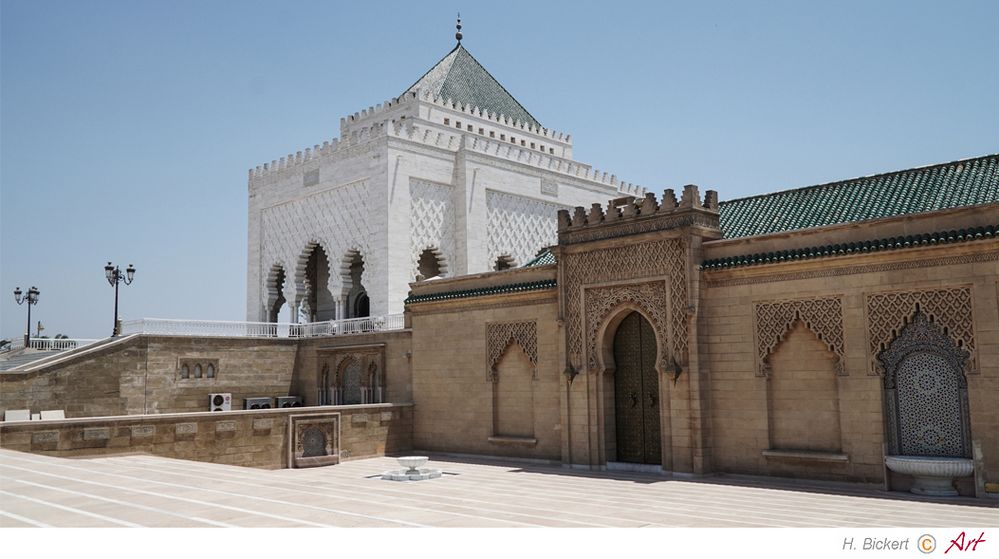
(144, 490)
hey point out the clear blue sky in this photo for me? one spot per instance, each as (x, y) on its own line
(127, 127)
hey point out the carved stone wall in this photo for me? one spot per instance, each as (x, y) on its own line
(774, 319)
(431, 215)
(338, 219)
(951, 309)
(518, 226)
(640, 261)
(499, 336)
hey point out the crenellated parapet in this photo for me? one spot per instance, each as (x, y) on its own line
(629, 215)
(552, 163)
(496, 118)
(396, 118)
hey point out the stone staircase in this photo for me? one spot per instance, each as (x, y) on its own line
(18, 358)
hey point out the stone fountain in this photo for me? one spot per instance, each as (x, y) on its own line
(412, 470)
(933, 475)
(926, 408)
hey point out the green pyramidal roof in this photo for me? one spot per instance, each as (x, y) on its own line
(460, 77)
(967, 182)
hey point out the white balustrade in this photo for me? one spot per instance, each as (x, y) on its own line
(225, 328)
(59, 344)
(50, 344)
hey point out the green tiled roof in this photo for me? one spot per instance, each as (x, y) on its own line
(544, 258)
(860, 247)
(966, 182)
(461, 294)
(459, 77)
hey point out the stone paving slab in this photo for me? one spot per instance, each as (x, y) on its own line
(38, 490)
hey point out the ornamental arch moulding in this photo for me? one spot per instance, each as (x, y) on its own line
(607, 306)
(774, 319)
(926, 392)
(659, 265)
(950, 309)
(500, 335)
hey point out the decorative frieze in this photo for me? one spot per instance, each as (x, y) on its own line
(830, 271)
(823, 316)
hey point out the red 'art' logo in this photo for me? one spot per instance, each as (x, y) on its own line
(962, 544)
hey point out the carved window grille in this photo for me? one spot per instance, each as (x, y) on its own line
(926, 393)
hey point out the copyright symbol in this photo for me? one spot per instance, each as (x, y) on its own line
(926, 543)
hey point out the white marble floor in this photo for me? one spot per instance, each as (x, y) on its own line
(151, 491)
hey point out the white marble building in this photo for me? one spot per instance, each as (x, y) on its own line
(452, 177)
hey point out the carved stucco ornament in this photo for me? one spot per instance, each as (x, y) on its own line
(774, 319)
(500, 335)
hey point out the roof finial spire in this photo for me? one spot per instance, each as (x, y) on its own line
(458, 26)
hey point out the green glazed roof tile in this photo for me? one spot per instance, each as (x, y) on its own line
(464, 293)
(459, 77)
(544, 258)
(967, 182)
(858, 247)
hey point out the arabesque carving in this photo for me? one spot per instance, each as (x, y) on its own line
(640, 261)
(499, 336)
(950, 309)
(648, 296)
(824, 317)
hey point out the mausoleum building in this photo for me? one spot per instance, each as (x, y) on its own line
(523, 305)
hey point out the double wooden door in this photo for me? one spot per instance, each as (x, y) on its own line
(636, 392)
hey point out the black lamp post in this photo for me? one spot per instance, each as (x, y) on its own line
(31, 298)
(115, 277)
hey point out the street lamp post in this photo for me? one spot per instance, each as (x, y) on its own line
(115, 277)
(31, 298)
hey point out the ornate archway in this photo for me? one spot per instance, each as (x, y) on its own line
(926, 393)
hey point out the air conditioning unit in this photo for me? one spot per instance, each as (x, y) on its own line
(290, 402)
(220, 402)
(259, 403)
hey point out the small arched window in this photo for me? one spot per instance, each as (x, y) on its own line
(210, 371)
(185, 371)
(429, 266)
(504, 262)
(197, 371)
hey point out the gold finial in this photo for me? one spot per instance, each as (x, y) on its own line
(458, 26)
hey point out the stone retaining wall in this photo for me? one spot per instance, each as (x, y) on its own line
(258, 438)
